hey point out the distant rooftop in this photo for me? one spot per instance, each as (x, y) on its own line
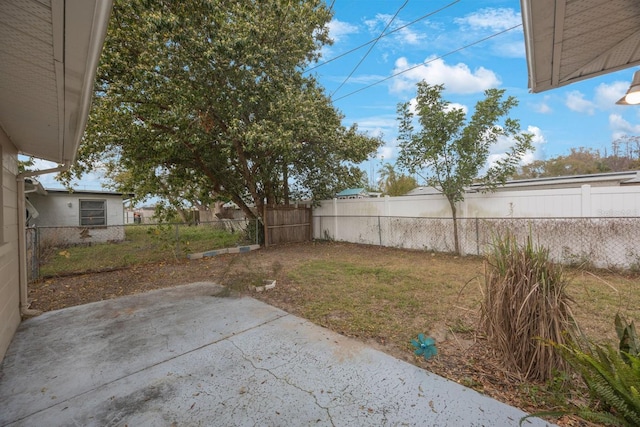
(350, 192)
(569, 181)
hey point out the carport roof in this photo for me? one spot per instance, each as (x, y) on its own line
(572, 40)
(49, 51)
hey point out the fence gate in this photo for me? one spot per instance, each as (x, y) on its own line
(287, 224)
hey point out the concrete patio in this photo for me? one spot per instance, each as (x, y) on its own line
(192, 356)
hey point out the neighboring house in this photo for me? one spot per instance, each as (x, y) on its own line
(143, 215)
(353, 193)
(609, 179)
(78, 217)
(49, 51)
(615, 179)
(217, 212)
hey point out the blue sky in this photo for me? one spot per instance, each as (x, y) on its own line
(580, 115)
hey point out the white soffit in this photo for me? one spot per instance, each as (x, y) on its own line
(572, 40)
(49, 51)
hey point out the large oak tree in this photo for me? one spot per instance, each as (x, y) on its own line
(204, 99)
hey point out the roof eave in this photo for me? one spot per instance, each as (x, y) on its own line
(83, 46)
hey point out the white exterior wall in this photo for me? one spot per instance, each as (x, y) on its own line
(9, 262)
(60, 223)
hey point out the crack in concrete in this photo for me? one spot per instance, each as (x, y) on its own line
(285, 380)
(92, 389)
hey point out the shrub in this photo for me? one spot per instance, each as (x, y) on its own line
(612, 377)
(629, 341)
(525, 305)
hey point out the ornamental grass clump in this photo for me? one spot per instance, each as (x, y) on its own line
(525, 307)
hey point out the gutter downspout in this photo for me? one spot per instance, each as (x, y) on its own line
(22, 243)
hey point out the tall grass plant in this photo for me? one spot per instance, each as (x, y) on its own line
(526, 305)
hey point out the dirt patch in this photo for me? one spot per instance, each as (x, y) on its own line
(464, 355)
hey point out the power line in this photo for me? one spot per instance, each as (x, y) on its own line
(370, 48)
(429, 61)
(395, 30)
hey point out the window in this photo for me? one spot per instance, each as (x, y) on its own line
(93, 212)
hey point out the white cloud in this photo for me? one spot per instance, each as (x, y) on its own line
(339, 29)
(485, 22)
(456, 106)
(604, 98)
(493, 19)
(377, 125)
(413, 103)
(538, 137)
(541, 105)
(538, 141)
(620, 127)
(575, 101)
(500, 149)
(387, 152)
(406, 35)
(542, 108)
(457, 78)
(607, 94)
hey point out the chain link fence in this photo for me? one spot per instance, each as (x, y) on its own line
(596, 242)
(122, 245)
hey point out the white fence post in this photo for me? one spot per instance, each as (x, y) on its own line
(335, 219)
(585, 198)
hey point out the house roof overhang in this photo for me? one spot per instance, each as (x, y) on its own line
(572, 40)
(80, 193)
(49, 52)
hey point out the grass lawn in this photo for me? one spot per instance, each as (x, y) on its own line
(385, 292)
(387, 296)
(142, 245)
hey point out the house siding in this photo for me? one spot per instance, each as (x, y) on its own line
(9, 262)
(59, 223)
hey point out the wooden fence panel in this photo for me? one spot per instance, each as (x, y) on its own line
(287, 224)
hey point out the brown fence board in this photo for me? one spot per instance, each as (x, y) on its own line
(287, 224)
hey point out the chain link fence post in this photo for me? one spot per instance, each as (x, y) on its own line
(477, 236)
(177, 239)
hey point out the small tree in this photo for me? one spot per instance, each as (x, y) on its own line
(394, 184)
(455, 151)
(387, 176)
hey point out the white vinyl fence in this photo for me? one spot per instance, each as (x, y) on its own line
(599, 226)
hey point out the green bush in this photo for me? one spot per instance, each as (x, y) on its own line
(612, 377)
(629, 342)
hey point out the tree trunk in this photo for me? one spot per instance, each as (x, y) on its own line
(285, 183)
(246, 209)
(454, 215)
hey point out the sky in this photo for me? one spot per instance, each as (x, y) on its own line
(583, 114)
(469, 46)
